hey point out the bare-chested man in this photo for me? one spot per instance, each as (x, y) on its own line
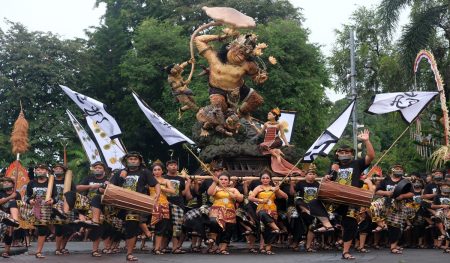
(228, 67)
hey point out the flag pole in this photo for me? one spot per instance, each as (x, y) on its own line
(390, 147)
(202, 164)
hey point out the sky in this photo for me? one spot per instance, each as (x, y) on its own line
(69, 18)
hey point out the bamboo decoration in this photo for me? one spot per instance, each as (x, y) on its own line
(51, 182)
(68, 181)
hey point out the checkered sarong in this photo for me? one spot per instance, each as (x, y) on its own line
(397, 214)
(177, 215)
(444, 217)
(196, 213)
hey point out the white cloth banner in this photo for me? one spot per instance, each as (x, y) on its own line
(96, 110)
(169, 133)
(112, 150)
(410, 104)
(326, 141)
(88, 145)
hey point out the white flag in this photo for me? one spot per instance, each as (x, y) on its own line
(96, 110)
(112, 150)
(88, 145)
(410, 104)
(169, 133)
(326, 141)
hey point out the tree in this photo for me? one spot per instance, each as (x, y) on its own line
(32, 66)
(428, 28)
(377, 66)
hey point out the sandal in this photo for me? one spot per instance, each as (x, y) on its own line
(262, 251)
(39, 255)
(276, 231)
(396, 251)
(130, 257)
(158, 252)
(178, 251)
(224, 252)
(362, 250)
(107, 251)
(441, 237)
(310, 250)
(324, 229)
(253, 251)
(58, 252)
(269, 252)
(347, 256)
(5, 255)
(96, 254)
(447, 250)
(65, 251)
(166, 250)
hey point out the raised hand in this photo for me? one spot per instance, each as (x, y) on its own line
(364, 135)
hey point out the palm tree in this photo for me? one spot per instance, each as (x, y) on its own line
(429, 22)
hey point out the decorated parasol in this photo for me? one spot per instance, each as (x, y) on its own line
(19, 143)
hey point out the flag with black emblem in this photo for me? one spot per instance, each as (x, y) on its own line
(169, 133)
(326, 141)
(95, 110)
(409, 104)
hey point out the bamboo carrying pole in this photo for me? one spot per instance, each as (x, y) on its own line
(51, 182)
(248, 178)
(68, 181)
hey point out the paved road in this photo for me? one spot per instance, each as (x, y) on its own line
(81, 254)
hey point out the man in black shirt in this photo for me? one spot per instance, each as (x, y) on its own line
(93, 186)
(304, 192)
(347, 171)
(441, 203)
(182, 192)
(137, 178)
(395, 208)
(431, 188)
(8, 213)
(62, 229)
(36, 196)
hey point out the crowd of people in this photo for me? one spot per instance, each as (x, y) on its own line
(211, 213)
